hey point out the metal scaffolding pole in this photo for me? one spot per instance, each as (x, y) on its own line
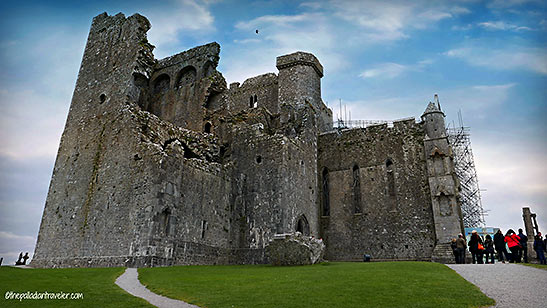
(464, 164)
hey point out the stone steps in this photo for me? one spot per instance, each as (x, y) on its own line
(442, 253)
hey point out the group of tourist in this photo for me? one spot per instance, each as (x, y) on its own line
(511, 247)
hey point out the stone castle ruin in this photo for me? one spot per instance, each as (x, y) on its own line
(162, 163)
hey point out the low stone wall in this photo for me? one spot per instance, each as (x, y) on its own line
(186, 253)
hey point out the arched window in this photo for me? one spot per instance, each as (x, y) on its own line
(390, 178)
(253, 101)
(208, 69)
(325, 209)
(207, 127)
(302, 225)
(186, 76)
(161, 83)
(203, 228)
(356, 188)
(165, 222)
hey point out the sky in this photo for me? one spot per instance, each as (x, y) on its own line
(384, 59)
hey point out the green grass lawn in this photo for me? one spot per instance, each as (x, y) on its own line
(386, 284)
(542, 266)
(97, 285)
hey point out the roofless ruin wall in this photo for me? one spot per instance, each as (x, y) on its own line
(378, 193)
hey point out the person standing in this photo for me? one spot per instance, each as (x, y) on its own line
(523, 249)
(460, 249)
(474, 243)
(489, 249)
(454, 250)
(513, 242)
(539, 247)
(499, 244)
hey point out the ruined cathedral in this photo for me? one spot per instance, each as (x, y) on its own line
(162, 163)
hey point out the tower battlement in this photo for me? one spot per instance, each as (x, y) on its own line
(299, 58)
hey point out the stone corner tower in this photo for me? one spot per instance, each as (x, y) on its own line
(443, 183)
(87, 210)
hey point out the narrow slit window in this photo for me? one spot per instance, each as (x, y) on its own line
(356, 190)
(325, 187)
(390, 178)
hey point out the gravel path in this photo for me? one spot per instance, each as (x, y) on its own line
(510, 285)
(129, 281)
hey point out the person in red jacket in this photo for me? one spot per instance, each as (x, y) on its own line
(512, 240)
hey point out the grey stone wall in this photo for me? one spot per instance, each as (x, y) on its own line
(259, 91)
(393, 218)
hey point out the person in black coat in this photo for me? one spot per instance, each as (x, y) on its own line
(539, 247)
(523, 250)
(499, 244)
(476, 253)
(489, 249)
(454, 250)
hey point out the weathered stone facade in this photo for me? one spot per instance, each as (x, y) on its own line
(162, 163)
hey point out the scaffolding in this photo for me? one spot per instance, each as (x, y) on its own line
(348, 124)
(464, 165)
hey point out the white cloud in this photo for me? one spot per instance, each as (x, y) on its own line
(312, 5)
(279, 35)
(393, 20)
(462, 28)
(185, 15)
(479, 100)
(496, 88)
(434, 15)
(512, 180)
(381, 20)
(500, 25)
(391, 70)
(458, 10)
(531, 59)
(322, 33)
(384, 70)
(278, 20)
(247, 41)
(503, 4)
